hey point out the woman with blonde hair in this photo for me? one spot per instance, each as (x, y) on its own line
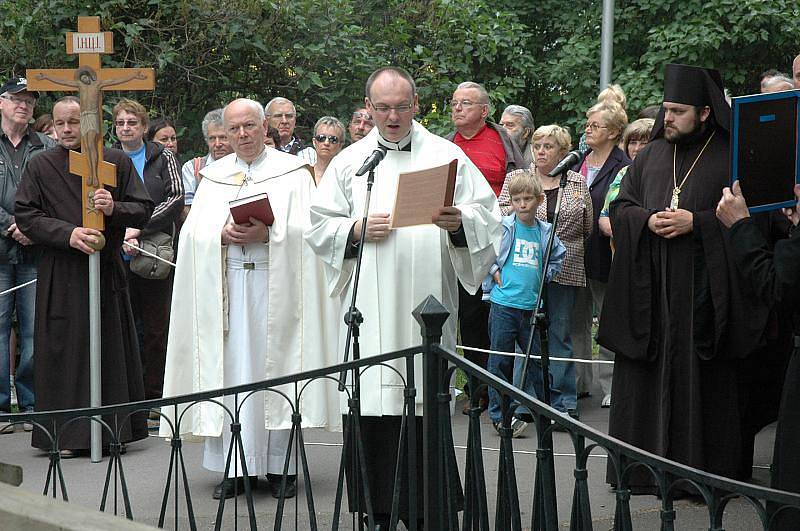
(605, 124)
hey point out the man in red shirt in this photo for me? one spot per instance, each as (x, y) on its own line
(490, 148)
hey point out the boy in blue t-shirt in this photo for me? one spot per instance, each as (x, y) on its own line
(512, 287)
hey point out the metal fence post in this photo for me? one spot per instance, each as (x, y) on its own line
(431, 315)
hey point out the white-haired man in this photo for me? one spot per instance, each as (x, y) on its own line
(218, 146)
(491, 149)
(283, 117)
(18, 256)
(776, 83)
(238, 314)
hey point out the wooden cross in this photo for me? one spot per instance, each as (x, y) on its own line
(90, 80)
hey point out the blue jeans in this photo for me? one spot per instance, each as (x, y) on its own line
(23, 299)
(507, 328)
(559, 303)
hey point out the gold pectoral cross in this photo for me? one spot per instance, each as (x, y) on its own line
(673, 204)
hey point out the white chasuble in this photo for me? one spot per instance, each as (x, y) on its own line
(413, 262)
(243, 314)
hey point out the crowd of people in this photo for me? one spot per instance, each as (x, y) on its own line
(636, 239)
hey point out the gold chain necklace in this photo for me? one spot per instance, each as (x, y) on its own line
(676, 191)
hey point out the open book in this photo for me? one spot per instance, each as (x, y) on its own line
(255, 206)
(420, 194)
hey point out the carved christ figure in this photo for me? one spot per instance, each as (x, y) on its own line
(89, 90)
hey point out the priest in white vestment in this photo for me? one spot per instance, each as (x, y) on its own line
(400, 267)
(238, 312)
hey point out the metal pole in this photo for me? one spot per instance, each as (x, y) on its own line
(607, 44)
(95, 396)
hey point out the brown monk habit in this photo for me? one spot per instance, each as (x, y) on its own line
(678, 316)
(48, 208)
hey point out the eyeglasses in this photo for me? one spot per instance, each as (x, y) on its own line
(386, 109)
(333, 139)
(361, 116)
(594, 126)
(284, 115)
(465, 104)
(129, 123)
(16, 100)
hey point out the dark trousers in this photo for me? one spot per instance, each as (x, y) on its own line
(150, 301)
(473, 322)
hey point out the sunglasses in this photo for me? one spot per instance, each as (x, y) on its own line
(330, 138)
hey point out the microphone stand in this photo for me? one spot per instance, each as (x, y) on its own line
(353, 446)
(539, 319)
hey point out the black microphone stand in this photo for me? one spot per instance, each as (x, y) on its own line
(539, 319)
(353, 446)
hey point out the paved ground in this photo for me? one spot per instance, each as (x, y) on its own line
(146, 463)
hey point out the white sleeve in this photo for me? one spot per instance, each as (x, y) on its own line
(189, 182)
(331, 221)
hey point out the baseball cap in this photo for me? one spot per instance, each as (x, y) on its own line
(17, 84)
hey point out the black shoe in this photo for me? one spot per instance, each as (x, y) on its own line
(227, 486)
(274, 483)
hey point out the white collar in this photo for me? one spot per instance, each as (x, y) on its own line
(403, 145)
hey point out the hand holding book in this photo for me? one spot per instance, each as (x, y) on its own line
(255, 206)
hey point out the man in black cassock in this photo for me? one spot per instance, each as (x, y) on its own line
(676, 311)
(775, 276)
(49, 212)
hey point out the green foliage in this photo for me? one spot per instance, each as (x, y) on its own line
(544, 54)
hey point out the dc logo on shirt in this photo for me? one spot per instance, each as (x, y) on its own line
(526, 253)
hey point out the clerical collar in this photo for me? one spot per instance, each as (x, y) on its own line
(403, 145)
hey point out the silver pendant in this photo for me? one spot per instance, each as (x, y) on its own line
(673, 204)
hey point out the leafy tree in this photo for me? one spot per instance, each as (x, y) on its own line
(544, 54)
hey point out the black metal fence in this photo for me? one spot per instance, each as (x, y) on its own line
(447, 505)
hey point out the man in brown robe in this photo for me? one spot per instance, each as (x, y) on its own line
(49, 212)
(676, 311)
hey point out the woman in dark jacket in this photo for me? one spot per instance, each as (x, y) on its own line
(150, 298)
(605, 124)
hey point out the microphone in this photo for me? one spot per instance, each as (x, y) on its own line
(372, 161)
(567, 162)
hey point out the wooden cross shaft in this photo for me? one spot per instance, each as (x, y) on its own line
(90, 80)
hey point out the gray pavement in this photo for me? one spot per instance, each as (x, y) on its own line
(146, 462)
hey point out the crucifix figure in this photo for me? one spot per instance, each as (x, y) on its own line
(90, 80)
(89, 90)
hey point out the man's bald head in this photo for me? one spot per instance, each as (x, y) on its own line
(245, 124)
(67, 122)
(796, 72)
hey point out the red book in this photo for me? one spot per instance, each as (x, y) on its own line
(256, 206)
